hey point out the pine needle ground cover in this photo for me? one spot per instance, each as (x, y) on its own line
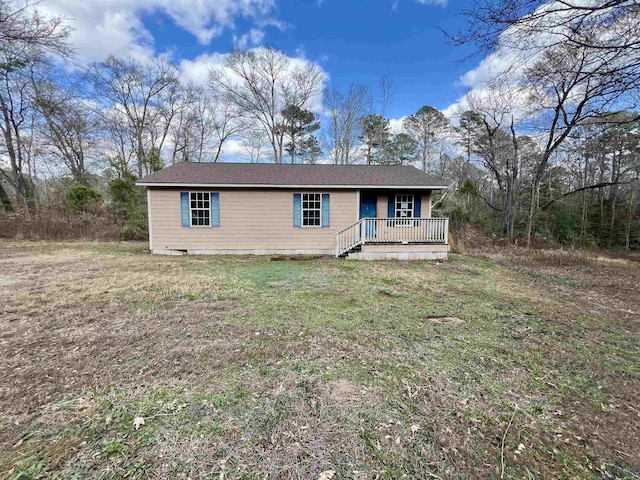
(501, 364)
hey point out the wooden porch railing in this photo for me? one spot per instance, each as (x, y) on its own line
(392, 230)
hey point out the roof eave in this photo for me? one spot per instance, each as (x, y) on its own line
(320, 187)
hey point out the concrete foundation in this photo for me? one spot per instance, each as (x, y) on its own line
(244, 252)
(398, 251)
(379, 251)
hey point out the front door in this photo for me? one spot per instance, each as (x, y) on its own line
(369, 209)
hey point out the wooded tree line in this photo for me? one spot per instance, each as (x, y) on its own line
(567, 78)
(123, 118)
(549, 146)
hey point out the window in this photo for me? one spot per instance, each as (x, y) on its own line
(404, 208)
(200, 209)
(311, 210)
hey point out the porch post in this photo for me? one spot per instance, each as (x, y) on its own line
(446, 231)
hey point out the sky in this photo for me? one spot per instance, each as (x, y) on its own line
(354, 41)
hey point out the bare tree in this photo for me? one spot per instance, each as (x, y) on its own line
(578, 59)
(23, 29)
(387, 90)
(427, 127)
(227, 122)
(260, 83)
(144, 97)
(68, 126)
(603, 25)
(16, 123)
(116, 141)
(572, 85)
(204, 126)
(25, 37)
(344, 127)
(255, 143)
(499, 147)
(5, 201)
(187, 145)
(172, 101)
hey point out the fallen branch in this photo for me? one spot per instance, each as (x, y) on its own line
(515, 408)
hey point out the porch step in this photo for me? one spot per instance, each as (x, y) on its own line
(357, 248)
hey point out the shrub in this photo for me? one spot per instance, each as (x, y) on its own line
(80, 197)
(58, 222)
(588, 241)
(129, 202)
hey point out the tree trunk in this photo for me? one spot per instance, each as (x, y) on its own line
(583, 217)
(218, 152)
(507, 210)
(612, 223)
(140, 154)
(5, 201)
(627, 242)
(532, 209)
(14, 159)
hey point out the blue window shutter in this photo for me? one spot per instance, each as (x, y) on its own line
(184, 208)
(417, 206)
(215, 209)
(297, 210)
(391, 206)
(325, 210)
(391, 209)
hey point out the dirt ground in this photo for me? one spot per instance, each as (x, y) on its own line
(504, 363)
(601, 285)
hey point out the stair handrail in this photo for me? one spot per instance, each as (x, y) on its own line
(349, 226)
(342, 249)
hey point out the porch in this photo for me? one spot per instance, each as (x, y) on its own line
(393, 237)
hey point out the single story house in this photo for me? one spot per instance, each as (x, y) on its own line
(353, 211)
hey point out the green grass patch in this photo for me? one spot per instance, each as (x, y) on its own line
(252, 368)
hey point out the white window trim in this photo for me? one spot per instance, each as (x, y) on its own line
(302, 225)
(191, 225)
(404, 221)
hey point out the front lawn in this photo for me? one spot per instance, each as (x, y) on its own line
(118, 364)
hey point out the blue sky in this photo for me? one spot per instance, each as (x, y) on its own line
(353, 40)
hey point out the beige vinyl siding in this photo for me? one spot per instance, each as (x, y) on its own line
(249, 220)
(425, 211)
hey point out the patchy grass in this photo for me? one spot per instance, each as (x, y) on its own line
(252, 368)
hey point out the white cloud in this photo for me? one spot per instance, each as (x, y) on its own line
(197, 71)
(104, 27)
(497, 75)
(518, 50)
(396, 124)
(252, 38)
(234, 150)
(437, 3)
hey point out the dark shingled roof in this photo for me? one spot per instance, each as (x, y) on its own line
(286, 176)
